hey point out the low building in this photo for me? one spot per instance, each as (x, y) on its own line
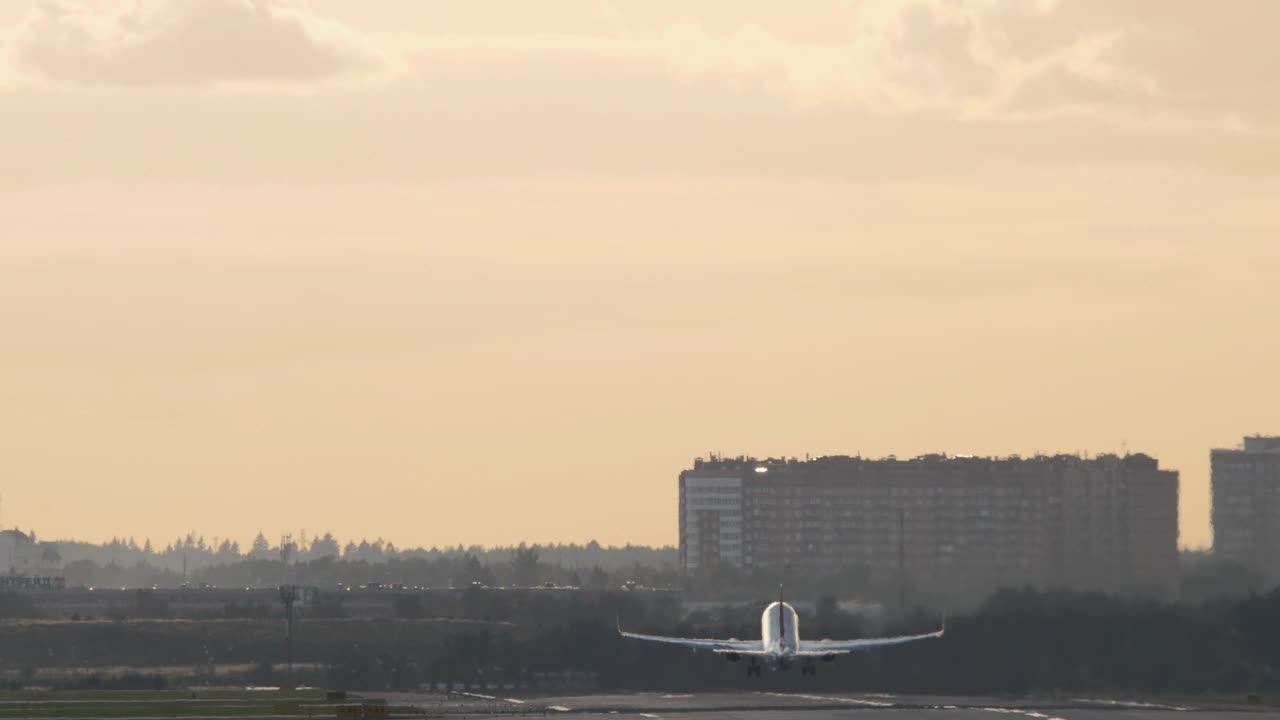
(21, 556)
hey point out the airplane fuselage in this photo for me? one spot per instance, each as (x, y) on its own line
(780, 630)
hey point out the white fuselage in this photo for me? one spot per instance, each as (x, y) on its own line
(780, 630)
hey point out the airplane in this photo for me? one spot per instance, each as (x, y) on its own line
(780, 643)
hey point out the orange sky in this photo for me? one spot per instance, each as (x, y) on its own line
(464, 272)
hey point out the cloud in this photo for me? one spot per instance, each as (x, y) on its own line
(969, 60)
(1135, 63)
(1177, 62)
(887, 56)
(857, 90)
(189, 42)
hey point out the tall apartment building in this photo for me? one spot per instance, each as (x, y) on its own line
(1119, 524)
(1246, 504)
(947, 522)
(711, 518)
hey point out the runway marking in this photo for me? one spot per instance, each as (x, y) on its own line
(1131, 704)
(676, 697)
(558, 708)
(650, 715)
(823, 698)
(478, 695)
(1018, 711)
(513, 700)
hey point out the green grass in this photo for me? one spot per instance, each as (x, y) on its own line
(150, 643)
(230, 703)
(211, 694)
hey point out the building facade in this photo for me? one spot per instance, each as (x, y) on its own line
(22, 556)
(711, 518)
(1246, 504)
(965, 523)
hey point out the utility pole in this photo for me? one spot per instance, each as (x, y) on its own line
(288, 594)
(902, 561)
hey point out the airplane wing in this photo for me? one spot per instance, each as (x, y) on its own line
(747, 647)
(815, 648)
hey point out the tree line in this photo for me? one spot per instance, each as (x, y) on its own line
(194, 552)
(521, 566)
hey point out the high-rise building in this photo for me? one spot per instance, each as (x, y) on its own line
(1246, 504)
(963, 523)
(710, 517)
(1120, 524)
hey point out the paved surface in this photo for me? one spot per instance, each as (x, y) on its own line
(808, 706)
(747, 705)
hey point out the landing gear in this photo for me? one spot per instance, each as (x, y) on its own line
(753, 669)
(809, 668)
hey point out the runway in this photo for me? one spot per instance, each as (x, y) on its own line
(749, 705)
(805, 706)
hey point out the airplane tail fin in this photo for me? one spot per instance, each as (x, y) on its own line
(782, 614)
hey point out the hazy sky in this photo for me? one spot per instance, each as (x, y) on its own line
(489, 271)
